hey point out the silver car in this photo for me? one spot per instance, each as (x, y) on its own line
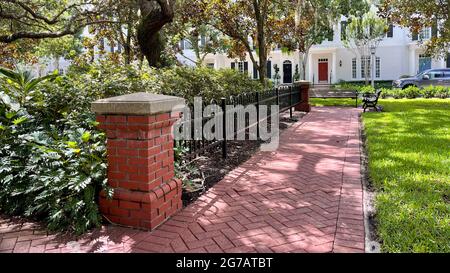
(435, 77)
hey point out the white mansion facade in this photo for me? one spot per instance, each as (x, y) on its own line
(399, 53)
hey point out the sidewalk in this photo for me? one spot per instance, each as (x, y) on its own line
(306, 197)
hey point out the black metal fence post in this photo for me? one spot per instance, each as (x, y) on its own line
(277, 92)
(224, 128)
(257, 115)
(290, 101)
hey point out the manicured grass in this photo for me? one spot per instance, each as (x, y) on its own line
(409, 164)
(333, 102)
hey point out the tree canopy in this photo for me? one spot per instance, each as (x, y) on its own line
(416, 15)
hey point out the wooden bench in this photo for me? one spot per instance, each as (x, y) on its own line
(371, 100)
(335, 94)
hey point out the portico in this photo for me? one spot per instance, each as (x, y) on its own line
(322, 65)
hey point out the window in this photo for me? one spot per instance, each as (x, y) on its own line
(365, 59)
(210, 65)
(425, 33)
(435, 75)
(241, 66)
(202, 41)
(187, 44)
(390, 32)
(102, 44)
(448, 60)
(354, 68)
(330, 34)
(343, 27)
(424, 62)
(269, 69)
(61, 71)
(255, 72)
(325, 60)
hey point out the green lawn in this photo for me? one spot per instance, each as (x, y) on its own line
(333, 102)
(409, 163)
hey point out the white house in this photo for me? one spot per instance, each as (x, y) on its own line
(399, 53)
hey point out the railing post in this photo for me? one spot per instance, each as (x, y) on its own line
(278, 96)
(224, 128)
(257, 115)
(290, 101)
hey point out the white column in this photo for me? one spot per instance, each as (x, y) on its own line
(310, 68)
(443, 63)
(412, 62)
(334, 67)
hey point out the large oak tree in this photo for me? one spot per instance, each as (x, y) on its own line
(41, 19)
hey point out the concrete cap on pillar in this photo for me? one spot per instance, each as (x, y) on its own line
(302, 83)
(138, 104)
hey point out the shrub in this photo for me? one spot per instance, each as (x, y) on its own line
(386, 92)
(53, 159)
(442, 92)
(367, 89)
(428, 92)
(411, 92)
(50, 169)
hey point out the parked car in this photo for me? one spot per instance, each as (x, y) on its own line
(435, 77)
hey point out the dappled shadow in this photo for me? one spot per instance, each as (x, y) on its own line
(305, 197)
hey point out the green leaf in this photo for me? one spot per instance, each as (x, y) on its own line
(18, 121)
(10, 115)
(86, 137)
(72, 144)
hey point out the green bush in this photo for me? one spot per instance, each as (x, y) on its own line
(442, 92)
(53, 159)
(428, 92)
(411, 92)
(387, 92)
(367, 89)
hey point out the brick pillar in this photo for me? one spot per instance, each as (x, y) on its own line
(304, 105)
(140, 158)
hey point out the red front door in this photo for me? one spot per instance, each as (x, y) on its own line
(323, 72)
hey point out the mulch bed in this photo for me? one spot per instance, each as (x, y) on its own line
(212, 167)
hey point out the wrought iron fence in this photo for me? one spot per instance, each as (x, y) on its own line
(285, 96)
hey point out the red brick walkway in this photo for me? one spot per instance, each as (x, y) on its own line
(306, 197)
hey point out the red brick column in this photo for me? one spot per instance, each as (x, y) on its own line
(140, 159)
(304, 106)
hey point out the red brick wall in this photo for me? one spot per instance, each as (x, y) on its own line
(140, 170)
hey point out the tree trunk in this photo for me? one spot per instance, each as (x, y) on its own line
(127, 45)
(366, 70)
(156, 13)
(260, 21)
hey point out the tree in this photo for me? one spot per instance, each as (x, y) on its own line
(155, 14)
(189, 26)
(39, 19)
(249, 23)
(311, 22)
(314, 20)
(419, 14)
(42, 19)
(362, 34)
